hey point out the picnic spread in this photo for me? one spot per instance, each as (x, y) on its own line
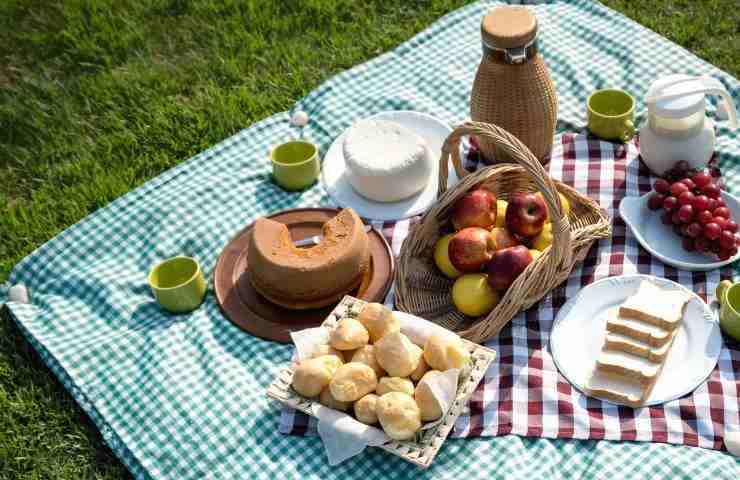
(514, 262)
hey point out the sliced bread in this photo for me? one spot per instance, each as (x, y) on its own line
(653, 335)
(654, 305)
(628, 366)
(624, 343)
(615, 388)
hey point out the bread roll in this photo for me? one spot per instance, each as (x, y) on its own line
(349, 334)
(326, 349)
(312, 375)
(443, 352)
(398, 415)
(420, 370)
(366, 355)
(397, 355)
(353, 381)
(395, 384)
(378, 320)
(328, 400)
(428, 404)
(365, 409)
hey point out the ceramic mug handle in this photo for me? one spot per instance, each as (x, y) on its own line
(721, 289)
(629, 131)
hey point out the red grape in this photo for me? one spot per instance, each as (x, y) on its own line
(686, 198)
(722, 212)
(678, 188)
(670, 203)
(655, 201)
(733, 251)
(731, 226)
(712, 204)
(686, 213)
(662, 186)
(704, 217)
(711, 190)
(701, 244)
(689, 183)
(722, 222)
(694, 229)
(675, 218)
(724, 254)
(737, 241)
(666, 218)
(715, 247)
(727, 240)
(720, 203)
(701, 179)
(700, 203)
(688, 244)
(712, 231)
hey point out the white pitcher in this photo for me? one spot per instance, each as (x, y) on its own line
(677, 127)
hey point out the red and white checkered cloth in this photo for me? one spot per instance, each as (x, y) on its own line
(523, 393)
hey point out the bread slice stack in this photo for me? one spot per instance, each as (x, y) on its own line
(637, 343)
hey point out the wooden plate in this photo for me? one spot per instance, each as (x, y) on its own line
(253, 313)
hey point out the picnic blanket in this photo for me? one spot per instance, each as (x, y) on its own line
(523, 393)
(183, 396)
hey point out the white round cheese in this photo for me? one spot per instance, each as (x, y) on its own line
(385, 161)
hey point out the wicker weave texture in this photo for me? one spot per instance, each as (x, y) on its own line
(422, 290)
(519, 98)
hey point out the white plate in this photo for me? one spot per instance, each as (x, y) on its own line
(434, 131)
(579, 329)
(661, 241)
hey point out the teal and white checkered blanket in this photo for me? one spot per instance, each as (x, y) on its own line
(182, 397)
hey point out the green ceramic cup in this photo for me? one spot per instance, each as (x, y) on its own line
(728, 295)
(295, 164)
(611, 114)
(178, 284)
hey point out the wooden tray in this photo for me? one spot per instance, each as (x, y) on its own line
(253, 313)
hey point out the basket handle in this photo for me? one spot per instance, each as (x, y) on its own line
(514, 149)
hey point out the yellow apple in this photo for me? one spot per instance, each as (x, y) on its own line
(535, 253)
(442, 257)
(544, 239)
(472, 295)
(563, 203)
(501, 213)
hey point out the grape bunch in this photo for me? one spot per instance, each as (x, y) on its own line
(692, 204)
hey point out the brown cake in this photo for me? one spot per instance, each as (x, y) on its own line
(303, 278)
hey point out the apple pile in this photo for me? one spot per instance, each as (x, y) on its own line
(692, 204)
(493, 243)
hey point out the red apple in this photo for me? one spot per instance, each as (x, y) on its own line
(526, 214)
(506, 265)
(470, 249)
(476, 208)
(502, 238)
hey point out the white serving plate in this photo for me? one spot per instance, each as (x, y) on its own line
(580, 326)
(662, 242)
(433, 130)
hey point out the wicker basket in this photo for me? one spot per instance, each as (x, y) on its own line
(422, 290)
(420, 453)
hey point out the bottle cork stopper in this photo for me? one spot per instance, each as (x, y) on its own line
(509, 27)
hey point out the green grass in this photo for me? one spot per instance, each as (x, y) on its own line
(96, 97)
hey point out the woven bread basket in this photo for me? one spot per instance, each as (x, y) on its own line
(420, 451)
(422, 290)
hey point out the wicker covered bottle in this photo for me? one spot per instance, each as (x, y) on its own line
(512, 87)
